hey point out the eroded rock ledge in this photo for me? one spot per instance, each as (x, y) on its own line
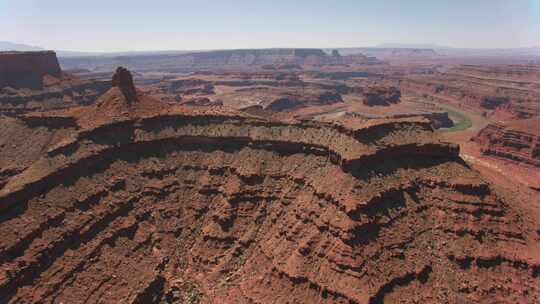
(504, 141)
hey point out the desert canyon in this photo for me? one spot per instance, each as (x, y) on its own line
(269, 176)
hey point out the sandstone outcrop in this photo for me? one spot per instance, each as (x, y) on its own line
(271, 91)
(201, 102)
(437, 119)
(26, 70)
(33, 81)
(143, 202)
(189, 86)
(512, 143)
(289, 101)
(492, 102)
(381, 96)
(123, 80)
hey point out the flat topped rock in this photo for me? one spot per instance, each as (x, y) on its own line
(26, 70)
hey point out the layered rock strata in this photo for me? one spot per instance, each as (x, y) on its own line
(381, 96)
(20, 70)
(33, 81)
(502, 141)
(141, 203)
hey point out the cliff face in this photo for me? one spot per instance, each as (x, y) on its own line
(504, 141)
(212, 60)
(68, 94)
(166, 203)
(438, 119)
(26, 69)
(33, 81)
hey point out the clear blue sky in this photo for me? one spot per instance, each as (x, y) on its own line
(121, 25)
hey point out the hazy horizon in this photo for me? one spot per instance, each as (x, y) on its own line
(123, 26)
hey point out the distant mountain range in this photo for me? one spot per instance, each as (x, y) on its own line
(511, 52)
(382, 50)
(411, 46)
(465, 52)
(10, 46)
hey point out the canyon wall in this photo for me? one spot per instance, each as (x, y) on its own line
(231, 209)
(26, 69)
(513, 89)
(216, 60)
(33, 81)
(504, 141)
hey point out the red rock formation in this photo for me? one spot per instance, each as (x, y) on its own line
(437, 119)
(512, 143)
(500, 88)
(33, 81)
(178, 204)
(27, 69)
(201, 102)
(289, 101)
(189, 86)
(123, 80)
(381, 96)
(492, 102)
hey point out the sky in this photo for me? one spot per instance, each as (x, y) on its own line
(122, 25)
